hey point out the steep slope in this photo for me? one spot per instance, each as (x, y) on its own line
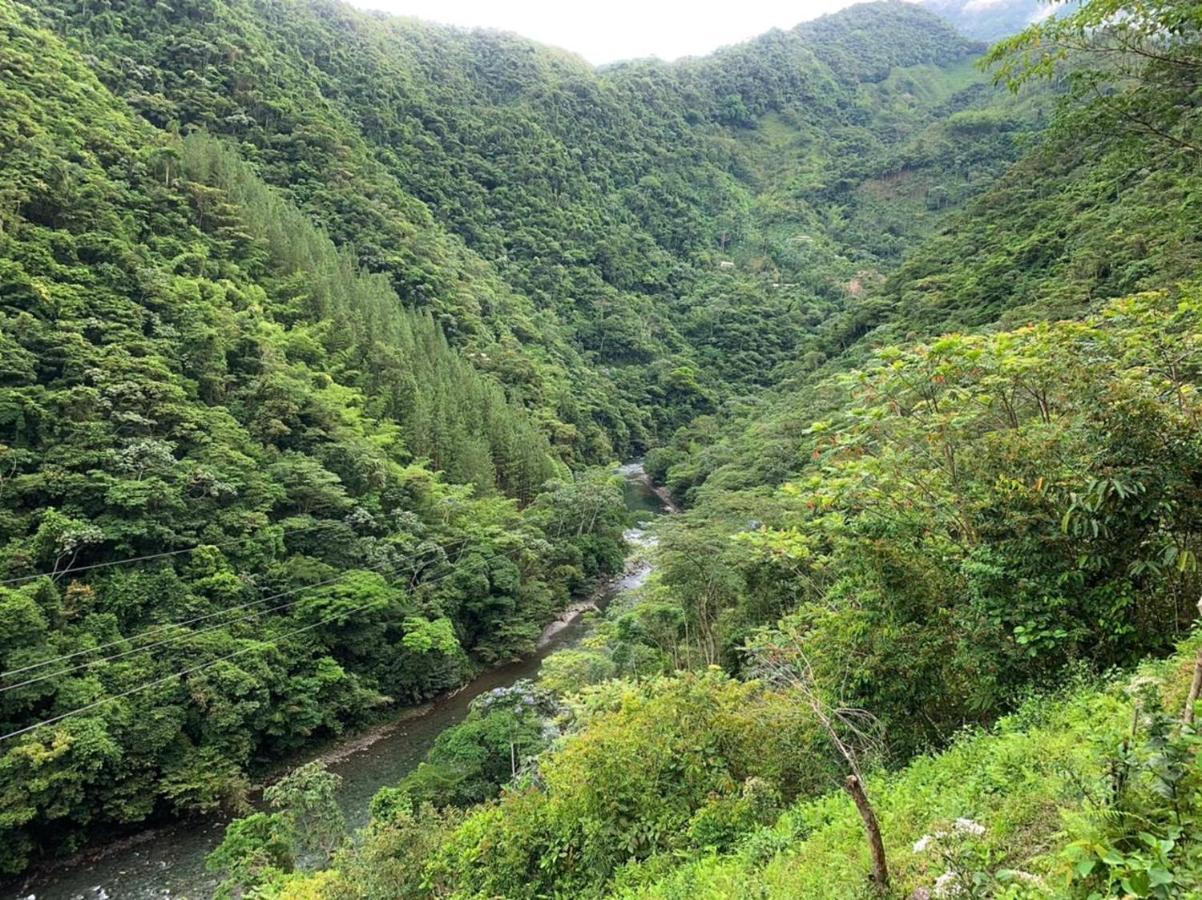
(194, 377)
(608, 199)
(1073, 224)
(983, 478)
(979, 520)
(214, 65)
(1028, 809)
(306, 307)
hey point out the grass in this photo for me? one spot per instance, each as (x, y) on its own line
(1019, 780)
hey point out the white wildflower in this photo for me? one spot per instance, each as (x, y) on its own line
(968, 826)
(1026, 877)
(1139, 684)
(920, 845)
(946, 885)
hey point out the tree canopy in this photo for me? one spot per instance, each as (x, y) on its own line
(320, 333)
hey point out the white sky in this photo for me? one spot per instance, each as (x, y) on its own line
(619, 29)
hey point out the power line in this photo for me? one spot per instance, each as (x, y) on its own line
(161, 629)
(58, 573)
(187, 636)
(194, 634)
(194, 669)
(179, 674)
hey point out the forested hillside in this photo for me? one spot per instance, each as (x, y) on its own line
(448, 158)
(317, 317)
(320, 332)
(335, 508)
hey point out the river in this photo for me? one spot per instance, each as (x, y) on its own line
(169, 861)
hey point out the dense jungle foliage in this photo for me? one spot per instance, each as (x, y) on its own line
(320, 331)
(478, 172)
(321, 317)
(986, 516)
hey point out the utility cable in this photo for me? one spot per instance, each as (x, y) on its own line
(168, 626)
(194, 669)
(149, 556)
(189, 635)
(173, 675)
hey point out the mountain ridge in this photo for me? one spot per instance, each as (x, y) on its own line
(297, 301)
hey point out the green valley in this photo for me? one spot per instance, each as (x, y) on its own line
(323, 333)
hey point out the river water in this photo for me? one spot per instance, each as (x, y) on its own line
(169, 861)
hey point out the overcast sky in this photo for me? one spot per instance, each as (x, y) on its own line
(619, 29)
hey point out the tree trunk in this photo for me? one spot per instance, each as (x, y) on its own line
(1187, 714)
(880, 871)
